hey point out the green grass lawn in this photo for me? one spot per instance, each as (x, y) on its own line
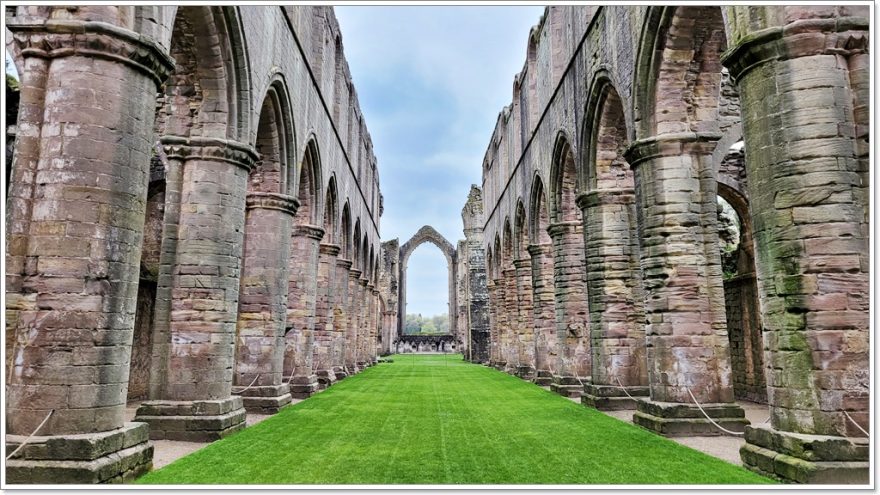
(434, 419)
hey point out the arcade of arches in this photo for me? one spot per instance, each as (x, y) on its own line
(677, 220)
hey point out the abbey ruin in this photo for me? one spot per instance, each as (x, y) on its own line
(674, 216)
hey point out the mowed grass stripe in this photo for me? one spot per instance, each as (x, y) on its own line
(433, 419)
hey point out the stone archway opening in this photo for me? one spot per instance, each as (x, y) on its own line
(440, 343)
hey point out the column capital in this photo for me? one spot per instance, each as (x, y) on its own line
(354, 273)
(539, 249)
(363, 282)
(343, 263)
(560, 228)
(57, 38)
(271, 201)
(618, 196)
(329, 249)
(670, 144)
(522, 263)
(375, 290)
(210, 149)
(805, 37)
(310, 231)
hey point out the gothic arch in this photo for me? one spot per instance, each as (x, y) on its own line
(426, 234)
(309, 195)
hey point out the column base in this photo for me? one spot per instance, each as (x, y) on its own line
(114, 456)
(352, 369)
(302, 387)
(567, 386)
(610, 398)
(802, 458)
(499, 365)
(362, 365)
(267, 399)
(193, 421)
(543, 378)
(325, 378)
(673, 419)
(525, 372)
(340, 372)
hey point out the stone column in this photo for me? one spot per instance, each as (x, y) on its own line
(374, 322)
(616, 300)
(804, 140)
(75, 222)
(352, 342)
(511, 349)
(502, 320)
(544, 308)
(526, 334)
(492, 291)
(302, 292)
(363, 349)
(194, 351)
(687, 343)
(572, 326)
(262, 303)
(340, 317)
(324, 314)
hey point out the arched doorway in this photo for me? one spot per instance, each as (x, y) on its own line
(426, 234)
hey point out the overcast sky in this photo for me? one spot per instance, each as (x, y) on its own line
(431, 81)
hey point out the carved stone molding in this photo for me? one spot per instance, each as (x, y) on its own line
(806, 37)
(672, 144)
(560, 228)
(329, 249)
(272, 201)
(57, 38)
(210, 149)
(310, 231)
(622, 196)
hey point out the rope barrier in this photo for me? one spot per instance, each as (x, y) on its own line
(857, 425)
(620, 386)
(249, 386)
(26, 440)
(725, 430)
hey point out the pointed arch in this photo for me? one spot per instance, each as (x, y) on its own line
(208, 95)
(331, 222)
(274, 172)
(564, 185)
(539, 217)
(679, 94)
(345, 232)
(309, 195)
(520, 232)
(605, 139)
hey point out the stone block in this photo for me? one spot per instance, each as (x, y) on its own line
(108, 457)
(674, 419)
(792, 469)
(193, 421)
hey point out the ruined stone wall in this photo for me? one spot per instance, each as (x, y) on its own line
(212, 158)
(661, 110)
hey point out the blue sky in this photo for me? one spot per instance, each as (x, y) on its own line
(431, 81)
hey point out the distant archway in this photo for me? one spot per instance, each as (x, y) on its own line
(426, 234)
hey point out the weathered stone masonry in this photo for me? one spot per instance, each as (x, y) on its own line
(182, 178)
(620, 152)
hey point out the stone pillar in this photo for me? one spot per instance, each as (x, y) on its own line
(374, 322)
(352, 342)
(302, 292)
(526, 334)
(340, 317)
(511, 348)
(572, 326)
(363, 349)
(544, 308)
(262, 303)
(492, 291)
(75, 222)
(325, 333)
(687, 343)
(503, 322)
(194, 351)
(616, 300)
(804, 138)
